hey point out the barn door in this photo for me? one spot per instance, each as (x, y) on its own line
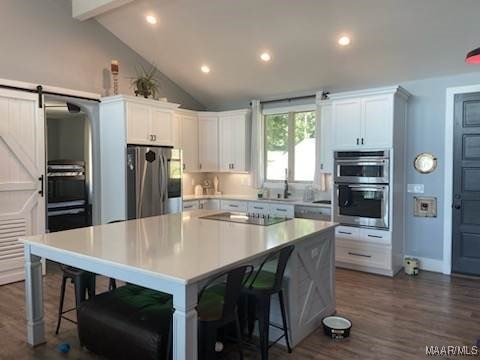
(22, 170)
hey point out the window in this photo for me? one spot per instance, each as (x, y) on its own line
(290, 146)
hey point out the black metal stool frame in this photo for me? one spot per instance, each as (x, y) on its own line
(258, 302)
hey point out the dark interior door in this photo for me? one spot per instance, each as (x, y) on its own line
(466, 185)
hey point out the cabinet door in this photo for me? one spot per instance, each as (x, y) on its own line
(226, 143)
(189, 142)
(326, 153)
(258, 208)
(176, 131)
(138, 124)
(240, 144)
(22, 171)
(377, 121)
(281, 210)
(208, 143)
(191, 205)
(161, 127)
(212, 204)
(347, 122)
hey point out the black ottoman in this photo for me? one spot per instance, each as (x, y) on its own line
(129, 322)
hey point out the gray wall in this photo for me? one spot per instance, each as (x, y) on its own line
(425, 133)
(42, 43)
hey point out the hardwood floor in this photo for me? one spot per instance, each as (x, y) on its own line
(392, 318)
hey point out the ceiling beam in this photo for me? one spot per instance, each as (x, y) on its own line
(87, 9)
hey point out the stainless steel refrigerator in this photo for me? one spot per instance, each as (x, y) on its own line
(154, 181)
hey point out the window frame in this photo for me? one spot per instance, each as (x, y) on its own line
(290, 110)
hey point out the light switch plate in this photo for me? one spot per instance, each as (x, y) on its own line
(416, 188)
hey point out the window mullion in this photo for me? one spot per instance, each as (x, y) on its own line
(291, 147)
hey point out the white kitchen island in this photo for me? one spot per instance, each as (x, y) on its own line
(175, 253)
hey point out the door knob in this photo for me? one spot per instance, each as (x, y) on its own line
(458, 206)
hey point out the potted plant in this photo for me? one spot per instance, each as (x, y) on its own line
(145, 83)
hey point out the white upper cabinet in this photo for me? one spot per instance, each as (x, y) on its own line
(138, 123)
(234, 141)
(189, 141)
(324, 115)
(161, 126)
(208, 142)
(364, 119)
(148, 122)
(347, 123)
(377, 117)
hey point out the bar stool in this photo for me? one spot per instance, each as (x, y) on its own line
(257, 295)
(217, 308)
(84, 283)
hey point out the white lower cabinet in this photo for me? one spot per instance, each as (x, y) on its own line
(364, 249)
(258, 208)
(191, 205)
(209, 204)
(363, 254)
(282, 210)
(234, 205)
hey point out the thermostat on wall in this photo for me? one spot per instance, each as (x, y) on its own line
(425, 206)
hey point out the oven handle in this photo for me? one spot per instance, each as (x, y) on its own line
(370, 162)
(368, 188)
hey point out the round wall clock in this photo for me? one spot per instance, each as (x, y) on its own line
(425, 163)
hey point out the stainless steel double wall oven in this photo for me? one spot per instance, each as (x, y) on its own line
(362, 188)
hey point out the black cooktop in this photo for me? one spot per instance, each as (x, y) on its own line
(243, 218)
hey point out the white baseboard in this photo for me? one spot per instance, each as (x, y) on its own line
(428, 264)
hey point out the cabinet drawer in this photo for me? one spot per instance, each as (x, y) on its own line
(346, 232)
(233, 205)
(363, 254)
(282, 210)
(258, 208)
(190, 205)
(377, 236)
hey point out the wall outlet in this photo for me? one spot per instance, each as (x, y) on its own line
(416, 188)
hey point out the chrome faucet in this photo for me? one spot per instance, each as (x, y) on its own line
(285, 189)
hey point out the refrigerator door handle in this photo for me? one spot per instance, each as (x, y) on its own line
(141, 183)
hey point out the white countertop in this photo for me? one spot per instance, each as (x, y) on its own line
(180, 247)
(290, 201)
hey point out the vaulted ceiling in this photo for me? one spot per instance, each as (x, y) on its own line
(392, 41)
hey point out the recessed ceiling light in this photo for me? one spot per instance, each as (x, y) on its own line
(265, 57)
(344, 40)
(205, 69)
(151, 19)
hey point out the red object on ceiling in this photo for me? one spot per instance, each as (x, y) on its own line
(473, 57)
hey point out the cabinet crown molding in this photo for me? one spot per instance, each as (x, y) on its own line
(140, 100)
(223, 113)
(389, 90)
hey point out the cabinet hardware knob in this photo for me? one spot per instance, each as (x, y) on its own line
(362, 141)
(184, 167)
(358, 142)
